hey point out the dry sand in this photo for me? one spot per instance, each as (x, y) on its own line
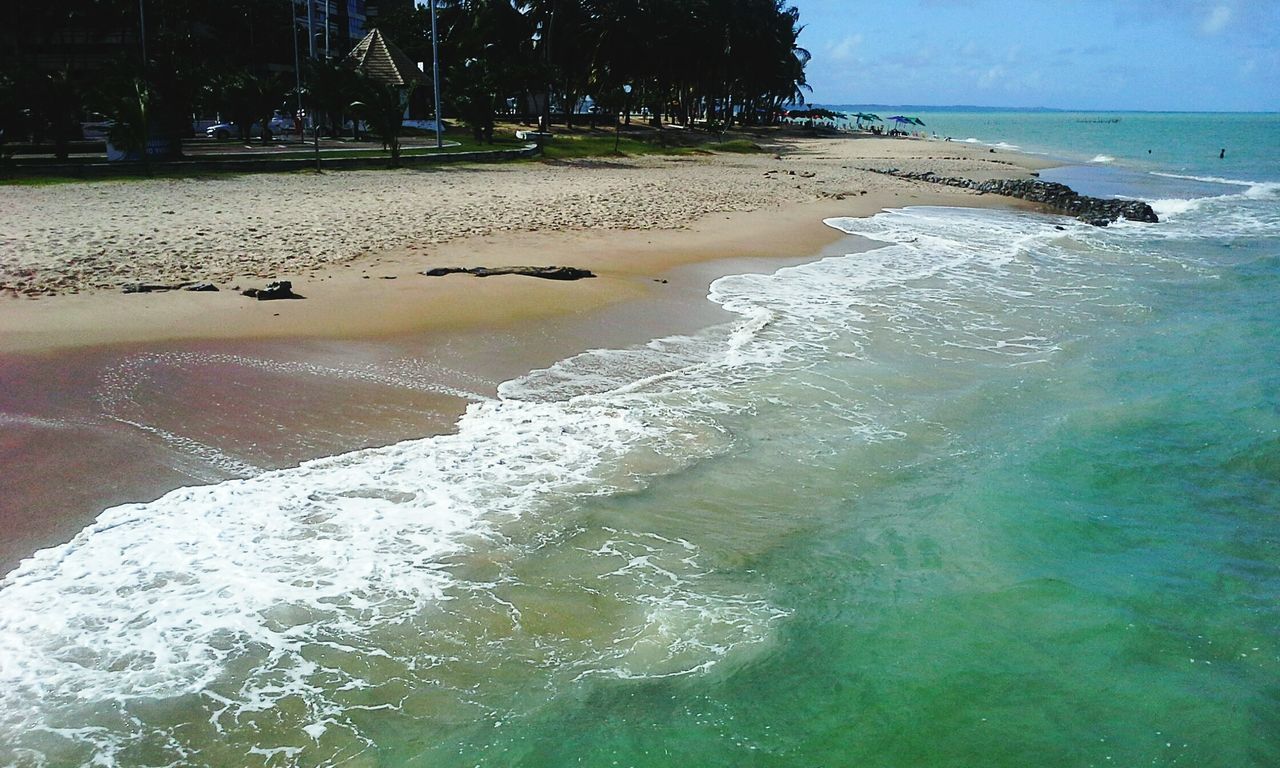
(326, 232)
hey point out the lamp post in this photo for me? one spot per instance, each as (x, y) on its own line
(142, 42)
(435, 74)
(311, 31)
(142, 36)
(626, 110)
(297, 64)
(311, 118)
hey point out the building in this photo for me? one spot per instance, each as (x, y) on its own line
(336, 25)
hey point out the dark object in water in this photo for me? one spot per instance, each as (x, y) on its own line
(546, 273)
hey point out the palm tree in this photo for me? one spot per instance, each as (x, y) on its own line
(491, 45)
(57, 106)
(251, 98)
(382, 106)
(331, 87)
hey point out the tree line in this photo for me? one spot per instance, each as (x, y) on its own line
(151, 65)
(684, 60)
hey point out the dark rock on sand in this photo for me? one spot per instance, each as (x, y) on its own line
(152, 287)
(202, 287)
(280, 289)
(546, 273)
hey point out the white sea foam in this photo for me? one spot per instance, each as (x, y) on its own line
(1249, 212)
(23, 420)
(1173, 207)
(1102, 159)
(997, 145)
(231, 593)
(1257, 190)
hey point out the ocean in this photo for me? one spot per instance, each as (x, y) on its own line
(1002, 491)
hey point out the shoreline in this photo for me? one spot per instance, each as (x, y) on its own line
(261, 401)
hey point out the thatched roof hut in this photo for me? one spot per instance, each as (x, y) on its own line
(379, 59)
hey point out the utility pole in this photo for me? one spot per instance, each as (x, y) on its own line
(311, 117)
(311, 29)
(142, 36)
(435, 75)
(297, 64)
(143, 99)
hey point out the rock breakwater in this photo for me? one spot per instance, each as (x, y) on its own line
(1058, 198)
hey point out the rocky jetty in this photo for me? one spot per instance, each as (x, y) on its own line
(1058, 198)
(546, 273)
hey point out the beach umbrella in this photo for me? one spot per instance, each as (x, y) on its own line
(918, 121)
(904, 120)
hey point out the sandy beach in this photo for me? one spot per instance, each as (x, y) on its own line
(109, 397)
(624, 217)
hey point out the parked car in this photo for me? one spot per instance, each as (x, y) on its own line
(96, 126)
(278, 124)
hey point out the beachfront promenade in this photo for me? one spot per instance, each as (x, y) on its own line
(88, 161)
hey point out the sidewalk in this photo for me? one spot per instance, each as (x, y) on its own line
(209, 155)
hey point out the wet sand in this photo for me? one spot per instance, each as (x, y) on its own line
(88, 429)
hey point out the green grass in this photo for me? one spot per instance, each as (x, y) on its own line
(601, 143)
(738, 146)
(122, 177)
(568, 146)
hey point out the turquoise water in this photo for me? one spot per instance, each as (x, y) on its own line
(1153, 141)
(1002, 492)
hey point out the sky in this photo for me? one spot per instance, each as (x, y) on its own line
(1158, 55)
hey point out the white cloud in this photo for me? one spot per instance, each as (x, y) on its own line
(1217, 20)
(845, 49)
(992, 77)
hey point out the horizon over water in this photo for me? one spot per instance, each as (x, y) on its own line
(1001, 492)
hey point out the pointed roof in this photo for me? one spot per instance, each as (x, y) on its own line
(381, 60)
